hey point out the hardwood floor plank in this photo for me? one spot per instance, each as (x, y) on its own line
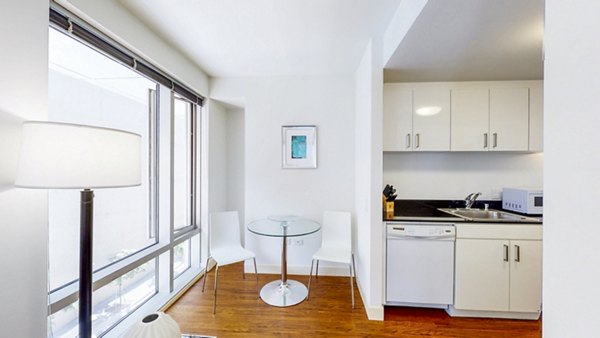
(328, 313)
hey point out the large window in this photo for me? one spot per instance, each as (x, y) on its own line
(88, 88)
(139, 255)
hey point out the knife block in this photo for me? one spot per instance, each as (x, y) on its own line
(389, 207)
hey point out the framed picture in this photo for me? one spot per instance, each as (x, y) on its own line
(299, 146)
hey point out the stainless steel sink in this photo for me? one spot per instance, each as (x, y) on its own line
(490, 215)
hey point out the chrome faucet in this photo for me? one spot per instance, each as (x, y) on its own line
(470, 199)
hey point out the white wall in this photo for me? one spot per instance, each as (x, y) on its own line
(572, 169)
(217, 157)
(23, 212)
(328, 103)
(235, 163)
(114, 20)
(368, 175)
(455, 175)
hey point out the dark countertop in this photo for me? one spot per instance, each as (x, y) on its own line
(427, 210)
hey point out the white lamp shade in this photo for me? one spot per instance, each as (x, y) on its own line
(70, 156)
(157, 325)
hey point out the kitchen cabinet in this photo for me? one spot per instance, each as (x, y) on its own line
(463, 116)
(490, 119)
(431, 119)
(416, 118)
(470, 126)
(509, 119)
(498, 270)
(397, 118)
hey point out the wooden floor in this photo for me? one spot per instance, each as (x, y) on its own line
(328, 313)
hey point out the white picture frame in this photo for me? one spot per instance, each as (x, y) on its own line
(299, 147)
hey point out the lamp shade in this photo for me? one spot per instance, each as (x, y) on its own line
(70, 156)
(156, 325)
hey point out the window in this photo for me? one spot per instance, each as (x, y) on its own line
(86, 87)
(123, 295)
(140, 257)
(183, 164)
(181, 258)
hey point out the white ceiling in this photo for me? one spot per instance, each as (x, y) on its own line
(470, 40)
(253, 38)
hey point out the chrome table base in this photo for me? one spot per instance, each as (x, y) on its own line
(281, 294)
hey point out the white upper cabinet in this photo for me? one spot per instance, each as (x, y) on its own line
(397, 118)
(536, 119)
(509, 119)
(431, 119)
(470, 119)
(463, 116)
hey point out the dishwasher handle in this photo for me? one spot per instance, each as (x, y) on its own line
(404, 236)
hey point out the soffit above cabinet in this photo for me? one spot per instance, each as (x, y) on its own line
(464, 40)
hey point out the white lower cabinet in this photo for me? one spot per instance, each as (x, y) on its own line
(526, 276)
(498, 271)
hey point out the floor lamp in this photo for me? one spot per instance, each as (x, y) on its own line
(70, 156)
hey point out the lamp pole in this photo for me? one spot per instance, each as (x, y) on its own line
(86, 239)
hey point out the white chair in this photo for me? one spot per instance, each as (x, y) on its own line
(225, 247)
(336, 245)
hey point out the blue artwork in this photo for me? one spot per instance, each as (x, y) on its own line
(298, 146)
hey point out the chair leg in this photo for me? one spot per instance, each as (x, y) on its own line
(205, 274)
(256, 274)
(309, 278)
(216, 284)
(352, 274)
(317, 271)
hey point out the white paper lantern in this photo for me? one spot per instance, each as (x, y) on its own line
(156, 325)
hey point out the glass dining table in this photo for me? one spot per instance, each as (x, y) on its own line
(283, 292)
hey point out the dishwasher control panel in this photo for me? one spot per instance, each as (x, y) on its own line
(440, 230)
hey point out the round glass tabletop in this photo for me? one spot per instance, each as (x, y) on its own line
(283, 226)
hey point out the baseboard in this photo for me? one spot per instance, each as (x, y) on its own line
(298, 270)
(452, 311)
(373, 312)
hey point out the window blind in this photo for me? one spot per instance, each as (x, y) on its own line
(63, 21)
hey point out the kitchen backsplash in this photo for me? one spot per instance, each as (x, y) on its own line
(452, 176)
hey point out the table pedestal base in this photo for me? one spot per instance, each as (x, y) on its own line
(278, 294)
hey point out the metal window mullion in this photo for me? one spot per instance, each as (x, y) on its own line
(193, 167)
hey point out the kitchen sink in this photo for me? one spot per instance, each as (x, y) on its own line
(489, 215)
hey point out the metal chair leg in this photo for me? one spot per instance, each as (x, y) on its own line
(317, 271)
(216, 284)
(352, 274)
(205, 274)
(309, 278)
(256, 274)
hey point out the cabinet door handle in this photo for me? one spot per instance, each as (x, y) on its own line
(505, 253)
(495, 140)
(417, 140)
(485, 140)
(517, 253)
(407, 140)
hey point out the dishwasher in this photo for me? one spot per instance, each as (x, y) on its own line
(420, 264)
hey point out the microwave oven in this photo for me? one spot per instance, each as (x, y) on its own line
(526, 201)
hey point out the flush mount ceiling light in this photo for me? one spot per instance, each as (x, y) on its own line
(428, 111)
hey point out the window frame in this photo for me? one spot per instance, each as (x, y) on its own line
(192, 170)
